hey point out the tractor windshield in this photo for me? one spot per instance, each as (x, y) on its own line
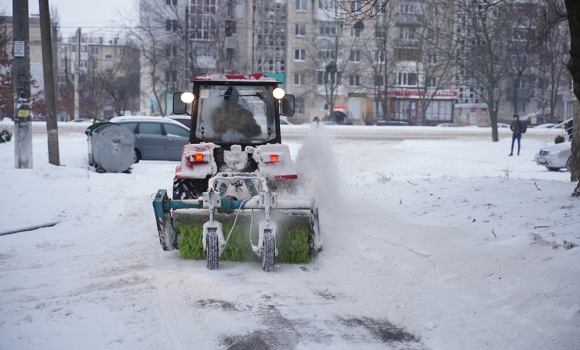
(235, 114)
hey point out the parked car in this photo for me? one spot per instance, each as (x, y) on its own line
(183, 119)
(544, 126)
(555, 157)
(503, 125)
(392, 123)
(447, 125)
(284, 121)
(157, 138)
(338, 117)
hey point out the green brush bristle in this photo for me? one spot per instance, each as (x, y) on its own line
(291, 238)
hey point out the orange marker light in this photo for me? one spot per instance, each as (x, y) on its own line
(273, 157)
(198, 157)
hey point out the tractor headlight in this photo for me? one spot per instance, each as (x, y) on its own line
(278, 93)
(187, 97)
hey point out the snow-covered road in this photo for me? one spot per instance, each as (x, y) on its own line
(429, 244)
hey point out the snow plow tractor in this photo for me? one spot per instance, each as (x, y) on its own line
(233, 189)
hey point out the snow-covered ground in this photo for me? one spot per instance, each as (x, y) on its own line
(429, 244)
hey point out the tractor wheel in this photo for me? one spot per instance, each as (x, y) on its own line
(268, 252)
(212, 250)
(188, 188)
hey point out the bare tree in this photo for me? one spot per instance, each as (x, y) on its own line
(552, 69)
(329, 50)
(523, 56)
(379, 56)
(573, 11)
(123, 87)
(482, 40)
(434, 68)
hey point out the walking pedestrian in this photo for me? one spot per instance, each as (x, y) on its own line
(518, 128)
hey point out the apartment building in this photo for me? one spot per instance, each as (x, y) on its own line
(397, 65)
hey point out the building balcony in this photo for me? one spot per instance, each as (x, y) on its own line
(523, 93)
(409, 43)
(409, 19)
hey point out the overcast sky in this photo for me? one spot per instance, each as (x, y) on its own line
(100, 17)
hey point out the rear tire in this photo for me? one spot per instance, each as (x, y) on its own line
(137, 156)
(552, 169)
(188, 188)
(268, 252)
(212, 250)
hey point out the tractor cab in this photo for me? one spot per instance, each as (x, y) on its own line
(231, 109)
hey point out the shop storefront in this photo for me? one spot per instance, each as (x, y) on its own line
(406, 104)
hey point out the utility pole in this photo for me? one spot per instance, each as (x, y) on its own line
(186, 80)
(21, 74)
(49, 92)
(77, 75)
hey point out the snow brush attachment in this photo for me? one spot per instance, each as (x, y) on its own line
(260, 229)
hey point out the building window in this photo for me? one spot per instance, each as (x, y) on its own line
(380, 31)
(299, 105)
(62, 64)
(380, 7)
(63, 49)
(431, 82)
(95, 50)
(327, 29)
(355, 7)
(432, 34)
(521, 106)
(355, 56)
(170, 76)
(407, 79)
(328, 5)
(355, 32)
(407, 8)
(204, 7)
(329, 55)
(300, 5)
(108, 57)
(432, 58)
(406, 33)
(323, 78)
(300, 55)
(298, 79)
(171, 25)
(300, 29)
(171, 2)
(379, 80)
(61, 79)
(354, 80)
(171, 51)
(202, 28)
(380, 56)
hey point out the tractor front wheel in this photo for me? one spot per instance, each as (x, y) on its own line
(212, 250)
(268, 252)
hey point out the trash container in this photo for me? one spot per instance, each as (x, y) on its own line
(111, 147)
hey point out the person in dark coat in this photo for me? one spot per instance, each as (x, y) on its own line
(235, 117)
(517, 128)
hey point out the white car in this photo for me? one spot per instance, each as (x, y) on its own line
(503, 125)
(555, 157)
